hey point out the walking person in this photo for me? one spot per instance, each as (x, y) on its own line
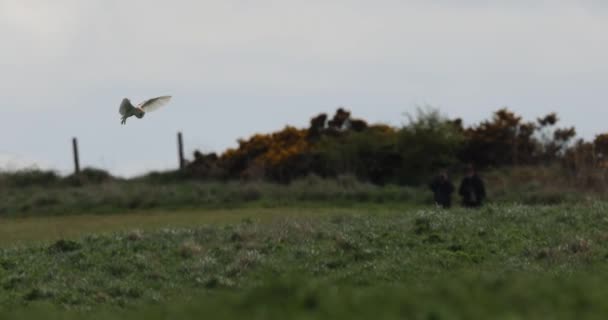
(442, 189)
(472, 189)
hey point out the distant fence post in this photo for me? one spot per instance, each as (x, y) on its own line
(180, 150)
(76, 159)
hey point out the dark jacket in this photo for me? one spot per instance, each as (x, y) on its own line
(442, 189)
(472, 191)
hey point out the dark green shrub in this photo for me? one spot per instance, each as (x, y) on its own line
(25, 178)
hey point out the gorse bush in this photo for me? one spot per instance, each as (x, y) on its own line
(377, 153)
(409, 154)
(371, 155)
(427, 143)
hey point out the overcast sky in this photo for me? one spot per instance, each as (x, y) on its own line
(236, 67)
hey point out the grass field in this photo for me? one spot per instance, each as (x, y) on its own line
(500, 262)
(32, 229)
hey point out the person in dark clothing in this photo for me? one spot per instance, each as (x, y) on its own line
(442, 189)
(472, 189)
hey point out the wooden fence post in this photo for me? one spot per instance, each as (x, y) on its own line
(180, 150)
(76, 158)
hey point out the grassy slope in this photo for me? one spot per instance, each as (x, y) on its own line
(35, 196)
(500, 262)
(134, 196)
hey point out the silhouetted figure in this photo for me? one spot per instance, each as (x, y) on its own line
(472, 189)
(442, 189)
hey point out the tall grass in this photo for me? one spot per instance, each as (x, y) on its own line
(140, 194)
(545, 185)
(94, 191)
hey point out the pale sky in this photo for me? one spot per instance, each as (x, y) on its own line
(236, 67)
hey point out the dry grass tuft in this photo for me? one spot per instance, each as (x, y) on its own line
(135, 235)
(575, 247)
(189, 249)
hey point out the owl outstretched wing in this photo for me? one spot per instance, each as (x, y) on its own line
(154, 103)
(125, 106)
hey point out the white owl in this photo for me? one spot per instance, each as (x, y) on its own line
(127, 109)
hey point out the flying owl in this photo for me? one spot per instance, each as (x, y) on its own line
(127, 109)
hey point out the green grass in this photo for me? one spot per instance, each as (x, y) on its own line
(500, 262)
(16, 231)
(33, 193)
(135, 196)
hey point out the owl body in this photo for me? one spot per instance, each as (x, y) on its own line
(139, 113)
(127, 109)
